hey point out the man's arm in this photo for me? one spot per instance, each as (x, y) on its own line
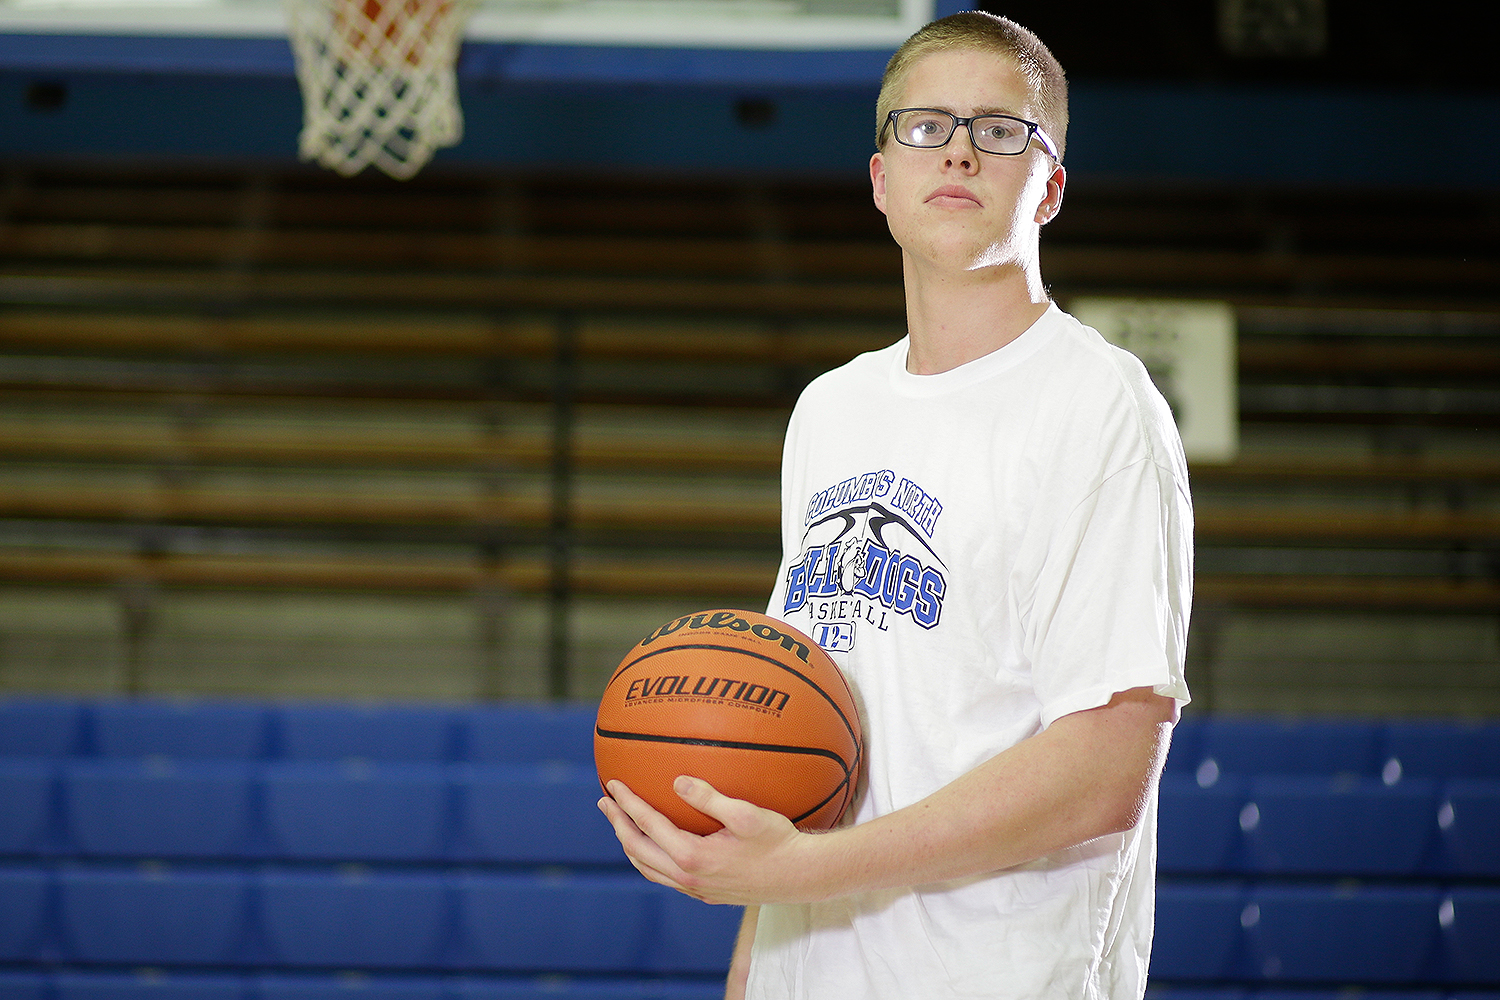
(739, 962)
(1087, 775)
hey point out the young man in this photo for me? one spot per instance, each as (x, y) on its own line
(988, 525)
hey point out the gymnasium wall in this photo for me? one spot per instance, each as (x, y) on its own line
(267, 431)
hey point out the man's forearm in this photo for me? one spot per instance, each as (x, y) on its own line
(1086, 776)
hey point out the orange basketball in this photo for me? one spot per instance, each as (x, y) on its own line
(743, 701)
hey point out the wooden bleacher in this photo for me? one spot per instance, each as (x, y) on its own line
(572, 388)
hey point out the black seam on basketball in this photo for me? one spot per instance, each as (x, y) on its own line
(826, 799)
(726, 744)
(759, 656)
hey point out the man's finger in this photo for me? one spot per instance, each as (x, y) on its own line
(666, 834)
(653, 875)
(741, 818)
(638, 845)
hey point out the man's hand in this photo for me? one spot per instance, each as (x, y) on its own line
(759, 856)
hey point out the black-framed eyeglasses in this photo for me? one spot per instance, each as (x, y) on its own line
(1003, 135)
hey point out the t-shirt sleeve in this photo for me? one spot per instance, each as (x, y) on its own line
(1109, 601)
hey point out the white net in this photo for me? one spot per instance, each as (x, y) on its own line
(378, 81)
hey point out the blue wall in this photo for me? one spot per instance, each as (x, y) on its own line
(236, 100)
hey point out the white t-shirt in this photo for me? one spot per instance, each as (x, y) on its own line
(983, 551)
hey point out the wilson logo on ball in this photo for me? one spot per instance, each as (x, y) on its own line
(734, 623)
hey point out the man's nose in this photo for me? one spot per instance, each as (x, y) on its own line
(960, 150)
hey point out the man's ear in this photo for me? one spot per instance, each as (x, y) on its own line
(877, 180)
(1052, 203)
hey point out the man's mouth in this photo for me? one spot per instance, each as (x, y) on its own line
(952, 194)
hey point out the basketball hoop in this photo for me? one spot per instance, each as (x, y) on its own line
(377, 80)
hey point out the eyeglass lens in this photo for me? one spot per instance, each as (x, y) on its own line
(990, 133)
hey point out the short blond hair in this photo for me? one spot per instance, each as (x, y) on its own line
(989, 33)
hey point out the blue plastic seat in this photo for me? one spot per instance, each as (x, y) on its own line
(1198, 826)
(1305, 825)
(1334, 993)
(1444, 749)
(1470, 918)
(555, 923)
(357, 811)
(23, 915)
(154, 916)
(565, 988)
(670, 989)
(1187, 745)
(26, 800)
(530, 734)
(159, 808)
(382, 733)
(1330, 933)
(1305, 746)
(20, 985)
(692, 937)
(1198, 927)
(152, 984)
(351, 987)
(353, 919)
(183, 730)
(533, 814)
(1177, 991)
(1469, 827)
(40, 727)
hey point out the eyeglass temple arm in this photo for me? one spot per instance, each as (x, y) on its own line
(1046, 141)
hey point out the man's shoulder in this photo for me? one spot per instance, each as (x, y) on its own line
(1088, 355)
(860, 372)
(1111, 398)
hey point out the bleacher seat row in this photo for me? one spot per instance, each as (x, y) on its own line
(1387, 934)
(544, 813)
(523, 733)
(161, 779)
(132, 916)
(305, 811)
(188, 729)
(194, 986)
(420, 921)
(173, 985)
(227, 730)
(254, 850)
(1339, 826)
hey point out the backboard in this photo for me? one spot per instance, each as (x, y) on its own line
(749, 24)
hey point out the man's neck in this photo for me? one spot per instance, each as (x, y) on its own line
(954, 317)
